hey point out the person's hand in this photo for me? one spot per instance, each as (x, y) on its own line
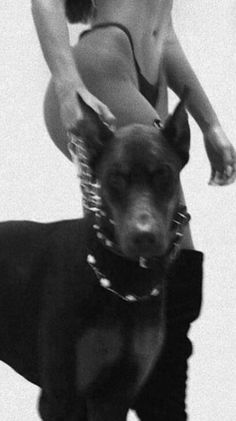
(71, 112)
(222, 157)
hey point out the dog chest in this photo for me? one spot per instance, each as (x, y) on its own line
(98, 350)
(147, 344)
(119, 353)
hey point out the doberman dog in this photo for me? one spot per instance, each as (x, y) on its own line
(82, 302)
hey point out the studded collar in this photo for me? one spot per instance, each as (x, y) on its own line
(122, 277)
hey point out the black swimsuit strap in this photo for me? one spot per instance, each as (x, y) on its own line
(124, 29)
(149, 91)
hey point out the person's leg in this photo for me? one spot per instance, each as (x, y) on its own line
(163, 396)
(108, 75)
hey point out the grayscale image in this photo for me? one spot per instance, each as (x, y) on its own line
(117, 210)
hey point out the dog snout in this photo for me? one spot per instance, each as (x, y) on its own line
(144, 240)
(145, 236)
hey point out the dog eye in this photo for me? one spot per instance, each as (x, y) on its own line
(162, 178)
(117, 182)
(161, 174)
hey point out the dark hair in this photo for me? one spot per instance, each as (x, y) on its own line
(78, 10)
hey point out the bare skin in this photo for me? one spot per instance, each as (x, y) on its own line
(101, 69)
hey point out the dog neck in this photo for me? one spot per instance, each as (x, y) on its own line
(121, 276)
(135, 281)
(104, 227)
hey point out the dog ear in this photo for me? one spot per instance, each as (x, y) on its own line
(95, 133)
(177, 130)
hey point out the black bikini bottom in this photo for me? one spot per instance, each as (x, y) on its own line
(149, 91)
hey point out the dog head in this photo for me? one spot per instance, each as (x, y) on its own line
(138, 168)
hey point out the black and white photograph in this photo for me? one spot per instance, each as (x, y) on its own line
(117, 210)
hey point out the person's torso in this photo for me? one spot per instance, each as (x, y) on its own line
(147, 22)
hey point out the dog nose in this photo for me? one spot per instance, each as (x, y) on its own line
(144, 241)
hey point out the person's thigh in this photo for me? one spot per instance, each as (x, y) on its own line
(107, 76)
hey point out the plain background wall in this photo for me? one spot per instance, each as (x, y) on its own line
(37, 182)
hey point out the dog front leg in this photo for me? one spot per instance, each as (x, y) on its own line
(107, 409)
(58, 400)
(74, 413)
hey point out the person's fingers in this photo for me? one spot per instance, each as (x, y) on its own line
(106, 116)
(234, 161)
(100, 108)
(230, 170)
(231, 179)
(72, 117)
(230, 174)
(227, 174)
(219, 178)
(212, 176)
(222, 179)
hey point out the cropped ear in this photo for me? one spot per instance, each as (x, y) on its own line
(177, 130)
(94, 132)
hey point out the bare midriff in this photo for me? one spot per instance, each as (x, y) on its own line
(147, 21)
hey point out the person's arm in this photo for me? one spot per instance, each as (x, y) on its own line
(51, 25)
(180, 74)
(50, 22)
